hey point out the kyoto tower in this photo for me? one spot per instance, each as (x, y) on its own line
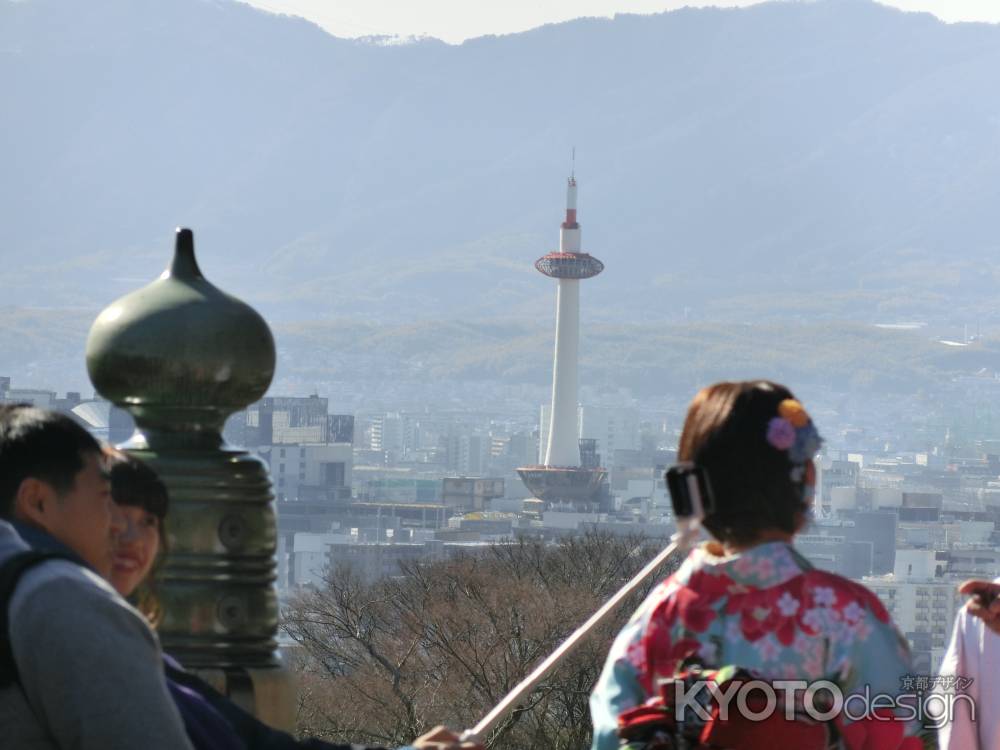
(565, 477)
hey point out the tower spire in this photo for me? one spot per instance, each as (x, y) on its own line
(569, 235)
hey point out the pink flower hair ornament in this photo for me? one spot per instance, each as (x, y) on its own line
(794, 431)
(780, 433)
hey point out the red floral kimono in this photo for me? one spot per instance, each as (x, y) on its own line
(766, 610)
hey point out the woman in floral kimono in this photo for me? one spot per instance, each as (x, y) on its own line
(748, 599)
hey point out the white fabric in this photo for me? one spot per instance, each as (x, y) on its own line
(974, 652)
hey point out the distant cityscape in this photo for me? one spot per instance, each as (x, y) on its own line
(907, 497)
(375, 488)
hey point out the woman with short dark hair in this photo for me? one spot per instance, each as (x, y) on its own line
(748, 602)
(140, 549)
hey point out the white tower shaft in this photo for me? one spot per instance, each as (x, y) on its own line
(564, 447)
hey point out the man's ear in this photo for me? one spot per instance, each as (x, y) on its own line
(32, 500)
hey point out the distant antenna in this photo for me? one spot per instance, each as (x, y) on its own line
(572, 171)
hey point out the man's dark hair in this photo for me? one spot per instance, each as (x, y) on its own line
(725, 433)
(40, 444)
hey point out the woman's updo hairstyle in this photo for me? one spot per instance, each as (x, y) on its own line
(726, 433)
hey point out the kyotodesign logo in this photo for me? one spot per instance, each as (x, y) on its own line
(820, 700)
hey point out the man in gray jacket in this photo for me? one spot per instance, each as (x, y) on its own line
(89, 672)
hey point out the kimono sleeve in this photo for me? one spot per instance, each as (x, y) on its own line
(618, 688)
(871, 660)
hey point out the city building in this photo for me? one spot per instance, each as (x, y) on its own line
(860, 544)
(104, 420)
(397, 487)
(922, 603)
(467, 493)
(473, 454)
(314, 471)
(613, 428)
(311, 557)
(101, 418)
(387, 433)
(289, 419)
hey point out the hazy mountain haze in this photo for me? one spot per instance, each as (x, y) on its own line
(834, 159)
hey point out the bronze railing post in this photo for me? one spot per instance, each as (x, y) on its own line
(181, 356)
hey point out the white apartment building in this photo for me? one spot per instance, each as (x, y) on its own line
(920, 604)
(309, 558)
(392, 432)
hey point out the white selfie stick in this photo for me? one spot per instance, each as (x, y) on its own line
(687, 533)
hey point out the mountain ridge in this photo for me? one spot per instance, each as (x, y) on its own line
(751, 153)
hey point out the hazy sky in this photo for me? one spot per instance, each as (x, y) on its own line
(455, 20)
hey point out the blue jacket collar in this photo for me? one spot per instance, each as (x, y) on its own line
(43, 541)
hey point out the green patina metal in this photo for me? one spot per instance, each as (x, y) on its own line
(181, 356)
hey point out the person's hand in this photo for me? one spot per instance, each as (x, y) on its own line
(985, 602)
(442, 738)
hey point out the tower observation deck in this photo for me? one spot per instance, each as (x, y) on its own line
(561, 479)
